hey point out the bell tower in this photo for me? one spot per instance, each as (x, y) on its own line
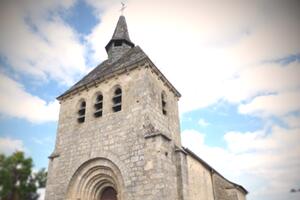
(120, 42)
(118, 133)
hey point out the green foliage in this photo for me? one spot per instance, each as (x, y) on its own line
(17, 182)
(41, 178)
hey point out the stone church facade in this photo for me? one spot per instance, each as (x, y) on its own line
(118, 137)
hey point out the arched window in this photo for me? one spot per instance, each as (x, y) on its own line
(163, 103)
(117, 100)
(81, 112)
(98, 106)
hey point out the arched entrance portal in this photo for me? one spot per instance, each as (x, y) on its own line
(109, 193)
(96, 179)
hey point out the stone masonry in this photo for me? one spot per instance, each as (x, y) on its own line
(136, 151)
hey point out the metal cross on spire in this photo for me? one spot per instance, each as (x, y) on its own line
(123, 7)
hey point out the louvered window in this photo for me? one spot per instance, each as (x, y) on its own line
(117, 100)
(81, 112)
(99, 106)
(118, 43)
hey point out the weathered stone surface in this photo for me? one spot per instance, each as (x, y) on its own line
(226, 190)
(147, 166)
(136, 151)
(199, 181)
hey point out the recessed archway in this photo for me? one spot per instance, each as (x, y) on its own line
(96, 179)
(109, 193)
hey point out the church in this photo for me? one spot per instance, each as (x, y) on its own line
(118, 136)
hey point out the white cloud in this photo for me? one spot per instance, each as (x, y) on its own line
(16, 102)
(263, 79)
(268, 105)
(292, 121)
(271, 159)
(43, 141)
(217, 156)
(204, 47)
(219, 48)
(35, 43)
(9, 145)
(192, 138)
(242, 142)
(203, 122)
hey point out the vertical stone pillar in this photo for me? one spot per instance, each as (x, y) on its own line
(182, 174)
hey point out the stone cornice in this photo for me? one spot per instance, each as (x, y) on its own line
(54, 155)
(156, 135)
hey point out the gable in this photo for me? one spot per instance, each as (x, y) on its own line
(107, 69)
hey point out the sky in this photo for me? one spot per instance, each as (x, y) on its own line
(235, 62)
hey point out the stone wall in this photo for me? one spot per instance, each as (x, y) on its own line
(240, 194)
(168, 124)
(136, 150)
(225, 190)
(235, 194)
(199, 180)
(116, 52)
(147, 166)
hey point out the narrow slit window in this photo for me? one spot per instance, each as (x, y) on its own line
(117, 100)
(163, 103)
(81, 112)
(98, 106)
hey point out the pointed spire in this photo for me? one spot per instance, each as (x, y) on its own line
(121, 31)
(120, 41)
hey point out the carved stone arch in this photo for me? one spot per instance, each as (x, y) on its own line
(78, 104)
(93, 177)
(115, 87)
(95, 95)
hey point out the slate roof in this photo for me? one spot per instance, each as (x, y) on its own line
(108, 67)
(134, 55)
(120, 33)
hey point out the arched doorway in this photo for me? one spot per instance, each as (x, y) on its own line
(96, 179)
(109, 193)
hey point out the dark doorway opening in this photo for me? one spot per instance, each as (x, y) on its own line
(109, 193)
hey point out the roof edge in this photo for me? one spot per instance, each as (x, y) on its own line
(192, 154)
(108, 76)
(162, 76)
(124, 69)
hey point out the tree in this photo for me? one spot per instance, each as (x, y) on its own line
(17, 181)
(41, 178)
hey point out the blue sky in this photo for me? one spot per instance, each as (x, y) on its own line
(236, 63)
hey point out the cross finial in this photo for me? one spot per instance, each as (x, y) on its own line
(123, 7)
